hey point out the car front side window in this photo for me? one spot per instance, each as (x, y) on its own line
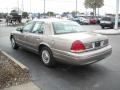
(42, 28)
(38, 28)
(28, 27)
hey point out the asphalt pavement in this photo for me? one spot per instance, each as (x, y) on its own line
(103, 75)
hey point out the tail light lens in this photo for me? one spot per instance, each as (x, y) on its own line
(77, 46)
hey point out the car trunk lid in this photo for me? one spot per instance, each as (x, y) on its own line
(91, 40)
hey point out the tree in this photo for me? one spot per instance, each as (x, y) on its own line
(14, 13)
(74, 13)
(38, 15)
(1, 15)
(94, 4)
(65, 14)
(25, 15)
(50, 13)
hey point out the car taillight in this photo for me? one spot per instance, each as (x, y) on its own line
(77, 46)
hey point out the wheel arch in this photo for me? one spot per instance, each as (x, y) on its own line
(43, 45)
(11, 36)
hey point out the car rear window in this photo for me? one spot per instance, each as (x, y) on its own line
(106, 19)
(63, 27)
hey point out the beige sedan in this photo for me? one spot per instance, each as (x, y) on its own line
(61, 40)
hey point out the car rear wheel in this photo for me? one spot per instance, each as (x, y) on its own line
(112, 26)
(47, 57)
(102, 27)
(13, 43)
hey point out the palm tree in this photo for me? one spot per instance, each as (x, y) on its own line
(94, 4)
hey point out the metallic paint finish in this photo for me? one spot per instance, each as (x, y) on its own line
(60, 44)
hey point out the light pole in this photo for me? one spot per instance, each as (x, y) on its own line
(30, 6)
(117, 14)
(44, 8)
(18, 5)
(76, 7)
(22, 6)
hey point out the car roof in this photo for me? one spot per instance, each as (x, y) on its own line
(50, 20)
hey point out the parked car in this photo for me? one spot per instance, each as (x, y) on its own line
(108, 22)
(84, 20)
(75, 19)
(93, 21)
(81, 20)
(61, 40)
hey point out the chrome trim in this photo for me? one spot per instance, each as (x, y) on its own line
(103, 44)
(82, 58)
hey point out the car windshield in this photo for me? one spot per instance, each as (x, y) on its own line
(66, 27)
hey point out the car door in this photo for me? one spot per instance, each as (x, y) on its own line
(35, 37)
(25, 32)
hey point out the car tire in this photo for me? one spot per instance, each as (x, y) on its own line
(112, 26)
(47, 57)
(14, 44)
(102, 27)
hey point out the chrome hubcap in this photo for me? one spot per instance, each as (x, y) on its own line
(45, 56)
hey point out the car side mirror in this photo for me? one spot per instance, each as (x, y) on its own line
(19, 29)
(41, 32)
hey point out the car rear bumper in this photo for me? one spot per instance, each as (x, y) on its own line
(86, 57)
(106, 24)
(85, 22)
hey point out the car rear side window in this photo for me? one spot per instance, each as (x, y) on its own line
(63, 27)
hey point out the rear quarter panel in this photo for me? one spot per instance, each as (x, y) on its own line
(62, 44)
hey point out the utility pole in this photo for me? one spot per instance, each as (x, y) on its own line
(76, 7)
(44, 8)
(30, 6)
(18, 5)
(117, 14)
(98, 11)
(22, 6)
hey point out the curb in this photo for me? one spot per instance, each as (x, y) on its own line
(23, 81)
(108, 32)
(13, 72)
(16, 62)
(27, 86)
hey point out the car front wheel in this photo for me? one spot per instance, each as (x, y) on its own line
(47, 57)
(13, 43)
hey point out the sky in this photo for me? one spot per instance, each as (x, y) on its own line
(57, 6)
